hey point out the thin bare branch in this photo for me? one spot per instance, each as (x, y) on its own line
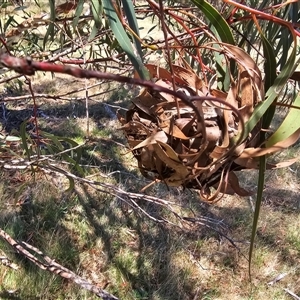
(46, 263)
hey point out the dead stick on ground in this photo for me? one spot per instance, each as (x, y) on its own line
(46, 263)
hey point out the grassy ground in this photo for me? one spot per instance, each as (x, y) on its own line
(104, 240)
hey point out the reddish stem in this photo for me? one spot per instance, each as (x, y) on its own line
(265, 16)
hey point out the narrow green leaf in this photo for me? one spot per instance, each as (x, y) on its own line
(71, 142)
(270, 63)
(284, 44)
(294, 11)
(222, 30)
(132, 21)
(94, 32)
(222, 71)
(260, 188)
(4, 5)
(50, 30)
(74, 163)
(289, 126)
(216, 19)
(247, 41)
(24, 139)
(55, 140)
(272, 93)
(49, 149)
(8, 22)
(78, 13)
(270, 76)
(123, 39)
(79, 153)
(71, 184)
(97, 10)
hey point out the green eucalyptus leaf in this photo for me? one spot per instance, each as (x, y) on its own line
(222, 30)
(284, 42)
(270, 63)
(20, 8)
(8, 22)
(71, 184)
(260, 188)
(78, 13)
(272, 93)
(289, 126)
(123, 39)
(50, 30)
(217, 21)
(24, 138)
(222, 71)
(49, 148)
(55, 140)
(67, 157)
(97, 10)
(270, 77)
(131, 17)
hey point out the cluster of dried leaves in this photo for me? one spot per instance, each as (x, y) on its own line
(173, 145)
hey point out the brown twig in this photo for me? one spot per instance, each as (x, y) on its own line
(7, 262)
(44, 262)
(28, 67)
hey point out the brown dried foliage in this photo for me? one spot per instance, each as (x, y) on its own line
(173, 146)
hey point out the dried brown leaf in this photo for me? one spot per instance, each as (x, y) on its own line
(257, 152)
(231, 186)
(158, 73)
(157, 136)
(189, 76)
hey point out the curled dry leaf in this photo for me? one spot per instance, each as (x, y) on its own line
(173, 146)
